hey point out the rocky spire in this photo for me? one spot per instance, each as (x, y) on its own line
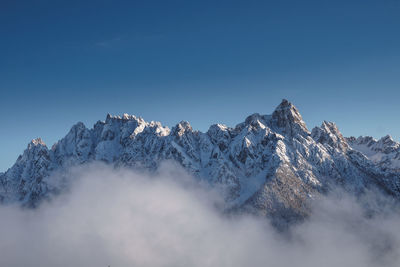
(181, 128)
(387, 140)
(287, 117)
(36, 145)
(329, 134)
(37, 141)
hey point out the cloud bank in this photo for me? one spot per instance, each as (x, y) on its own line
(123, 218)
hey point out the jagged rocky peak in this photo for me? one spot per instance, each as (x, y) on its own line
(388, 141)
(287, 117)
(389, 145)
(220, 134)
(264, 158)
(385, 143)
(385, 152)
(36, 150)
(218, 129)
(158, 128)
(329, 134)
(361, 140)
(256, 120)
(78, 125)
(37, 142)
(125, 117)
(182, 128)
(77, 131)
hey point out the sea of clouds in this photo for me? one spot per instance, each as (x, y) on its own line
(118, 217)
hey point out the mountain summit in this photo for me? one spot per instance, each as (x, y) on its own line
(288, 117)
(270, 164)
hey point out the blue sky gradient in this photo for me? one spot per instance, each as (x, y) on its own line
(200, 61)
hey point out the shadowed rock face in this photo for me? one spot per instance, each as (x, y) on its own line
(269, 164)
(287, 117)
(329, 134)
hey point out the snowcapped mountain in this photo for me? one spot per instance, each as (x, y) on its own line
(269, 164)
(385, 152)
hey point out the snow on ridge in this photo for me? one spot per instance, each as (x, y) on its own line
(266, 164)
(384, 152)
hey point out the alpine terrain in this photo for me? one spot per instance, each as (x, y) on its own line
(271, 165)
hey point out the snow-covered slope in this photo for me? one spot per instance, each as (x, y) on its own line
(385, 152)
(269, 164)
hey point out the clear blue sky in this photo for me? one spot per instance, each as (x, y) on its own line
(200, 61)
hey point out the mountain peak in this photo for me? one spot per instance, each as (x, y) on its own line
(329, 134)
(126, 116)
(36, 142)
(267, 164)
(285, 105)
(387, 138)
(181, 128)
(286, 102)
(287, 116)
(330, 126)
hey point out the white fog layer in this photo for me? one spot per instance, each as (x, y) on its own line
(121, 218)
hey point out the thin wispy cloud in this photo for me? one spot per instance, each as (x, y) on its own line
(129, 38)
(109, 42)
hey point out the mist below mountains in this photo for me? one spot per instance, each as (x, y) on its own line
(118, 217)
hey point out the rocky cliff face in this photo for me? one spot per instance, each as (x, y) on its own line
(269, 164)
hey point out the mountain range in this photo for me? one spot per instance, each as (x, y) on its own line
(271, 165)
